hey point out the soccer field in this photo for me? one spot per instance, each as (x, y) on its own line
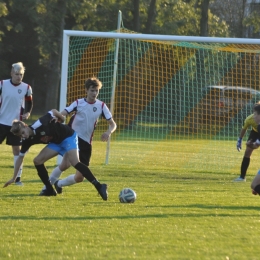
(180, 213)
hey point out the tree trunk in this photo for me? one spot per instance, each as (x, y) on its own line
(204, 18)
(136, 16)
(54, 66)
(151, 15)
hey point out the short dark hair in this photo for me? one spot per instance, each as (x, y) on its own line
(93, 82)
(257, 109)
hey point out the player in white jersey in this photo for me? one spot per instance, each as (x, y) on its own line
(14, 95)
(86, 113)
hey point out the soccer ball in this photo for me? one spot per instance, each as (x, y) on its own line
(127, 195)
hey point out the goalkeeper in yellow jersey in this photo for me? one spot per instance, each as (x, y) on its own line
(253, 136)
(255, 185)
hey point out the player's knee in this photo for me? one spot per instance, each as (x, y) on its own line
(64, 166)
(79, 177)
(37, 161)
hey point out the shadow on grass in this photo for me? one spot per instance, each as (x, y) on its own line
(170, 215)
(15, 195)
(84, 218)
(202, 206)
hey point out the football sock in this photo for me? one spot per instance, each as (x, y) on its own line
(20, 170)
(43, 174)
(257, 188)
(85, 171)
(55, 175)
(97, 184)
(70, 180)
(244, 167)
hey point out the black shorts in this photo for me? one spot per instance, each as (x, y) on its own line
(253, 136)
(85, 150)
(11, 139)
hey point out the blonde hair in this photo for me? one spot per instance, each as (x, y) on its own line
(17, 67)
(17, 126)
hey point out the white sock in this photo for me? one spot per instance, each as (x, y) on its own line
(55, 175)
(21, 167)
(70, 180)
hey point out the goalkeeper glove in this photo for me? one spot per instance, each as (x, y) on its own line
(239, 144)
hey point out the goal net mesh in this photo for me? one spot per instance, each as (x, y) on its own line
(177, 104)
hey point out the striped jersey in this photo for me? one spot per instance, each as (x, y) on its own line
(86, 117)
(12, 100)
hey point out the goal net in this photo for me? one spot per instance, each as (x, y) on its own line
(176, 103)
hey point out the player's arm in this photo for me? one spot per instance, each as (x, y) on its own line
(240, 138)
(61, 118)
(111, 128)
(18, 164)
(28, 103)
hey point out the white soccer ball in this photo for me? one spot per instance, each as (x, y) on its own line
(127, 195)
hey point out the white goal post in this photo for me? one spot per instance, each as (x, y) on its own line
(68, 33)
(187, 65)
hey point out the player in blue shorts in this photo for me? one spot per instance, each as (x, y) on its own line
(86, 113)
(61, 139)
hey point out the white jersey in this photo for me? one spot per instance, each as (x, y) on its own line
(86, 117)
(12, 99)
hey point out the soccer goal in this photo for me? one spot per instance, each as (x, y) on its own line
(178, 101)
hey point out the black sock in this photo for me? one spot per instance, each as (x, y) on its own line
(18, 179)
(86, 172)
(257, 188)
(244, 167)
(43, 174)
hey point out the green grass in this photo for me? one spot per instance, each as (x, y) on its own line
(178, 214)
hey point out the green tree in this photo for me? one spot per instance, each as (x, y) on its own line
(31, 31)
(178, 17)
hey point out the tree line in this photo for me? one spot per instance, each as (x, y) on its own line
(31, 30)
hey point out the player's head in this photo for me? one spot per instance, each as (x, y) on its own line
(93, 82)
(257, 108)
(92, 85)
(257, 113)
(19, 128)
(17, 72)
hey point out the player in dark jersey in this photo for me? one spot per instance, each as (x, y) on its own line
(87, 112)
(61, 140)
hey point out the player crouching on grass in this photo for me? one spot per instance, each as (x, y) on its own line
(62, 140)
(255, 185)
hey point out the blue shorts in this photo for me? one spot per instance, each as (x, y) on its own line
(66, 145)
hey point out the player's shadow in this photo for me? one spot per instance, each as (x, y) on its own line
(16, 195)
(231, 210)
(205, 206)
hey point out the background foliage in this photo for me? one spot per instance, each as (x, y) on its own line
(31, 31)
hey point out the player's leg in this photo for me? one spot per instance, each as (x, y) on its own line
(56, 173)
(15, 142)
(246, 159)
(46, 153)
(85, 150)
(255, 185)
(245, 162)
(16, 151)
(68, 181)
(72, 143)
(85, 171)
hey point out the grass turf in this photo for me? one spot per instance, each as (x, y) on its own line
(177, 214)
